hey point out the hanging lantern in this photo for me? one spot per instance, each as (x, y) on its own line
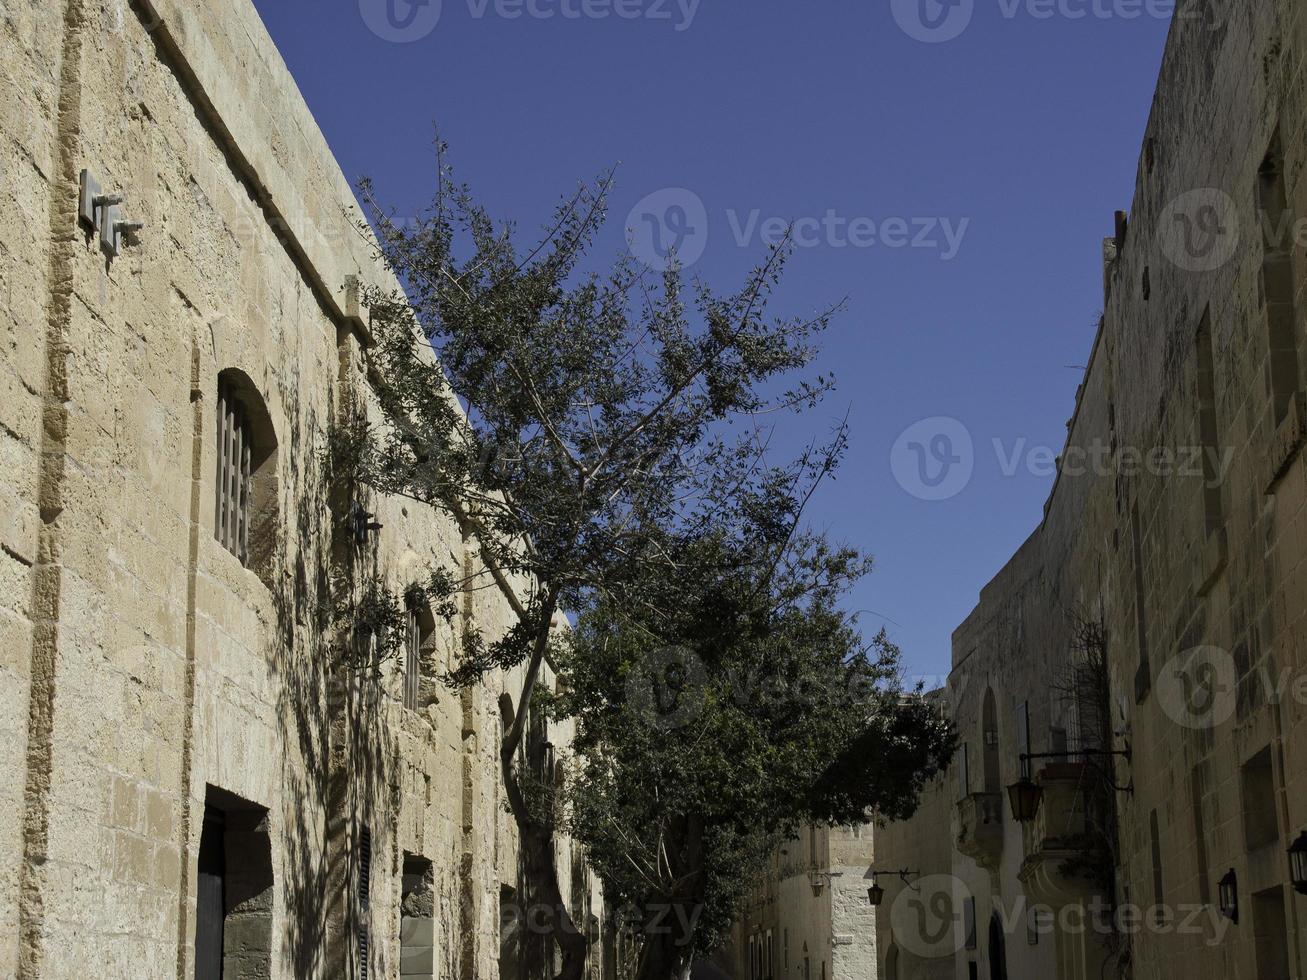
(1298, 865)
(875, 894)
(1025, 798)
(1229, 896)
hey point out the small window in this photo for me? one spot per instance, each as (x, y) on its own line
(418, 650)
(364, 898)
(235, 447)
(245, 478)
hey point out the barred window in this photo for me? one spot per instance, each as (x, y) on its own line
(418, 647)
(235, 456)
(364, 900)
(246, 495)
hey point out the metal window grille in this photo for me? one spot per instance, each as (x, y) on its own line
(365, 894)
(365, 867)
(232, 506)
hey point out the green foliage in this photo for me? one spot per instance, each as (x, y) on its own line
(371, 620)
(570, 419)
(371, 624)
(604, 439)
(734, 705)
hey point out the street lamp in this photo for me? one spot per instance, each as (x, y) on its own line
(1228, 893)
(1025, 798)
(1298, 865)
(876, 894)
(818, 880)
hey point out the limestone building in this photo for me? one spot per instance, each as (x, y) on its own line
(190, 783)
(808, 917)
(1148, 642)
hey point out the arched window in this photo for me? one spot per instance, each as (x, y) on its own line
(892, 964)
(993, 777)
(245, 486)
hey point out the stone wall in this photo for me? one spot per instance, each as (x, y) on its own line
(1187, 579)
(830, 935)
(144, 666)
(923, 848)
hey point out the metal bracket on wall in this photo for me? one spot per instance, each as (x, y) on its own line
(103, 213)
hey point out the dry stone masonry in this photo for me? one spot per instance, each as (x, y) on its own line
(188, 779)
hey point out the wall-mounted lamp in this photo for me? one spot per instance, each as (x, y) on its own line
(1025, 798)
(818, 879)
(876, 894)
(363, 524)
(1298, 865)
(102, 212)
(1228, 895)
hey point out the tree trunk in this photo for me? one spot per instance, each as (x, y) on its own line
(545, 897)
(664, 957)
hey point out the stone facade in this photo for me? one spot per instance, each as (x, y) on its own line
(790, 930)
(913, 856)
(167, 705)
(1160, 609)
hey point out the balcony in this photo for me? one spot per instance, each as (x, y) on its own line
(1053, 872)
(980, 828)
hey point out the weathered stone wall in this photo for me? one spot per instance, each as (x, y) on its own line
(828, 935)
(1196, 579)
(142, 662)
(924, 847)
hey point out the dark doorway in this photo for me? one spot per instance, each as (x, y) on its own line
(233, 914)
(210, 897)
(997, 951)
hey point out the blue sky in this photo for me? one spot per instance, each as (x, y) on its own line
(1001, 152)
